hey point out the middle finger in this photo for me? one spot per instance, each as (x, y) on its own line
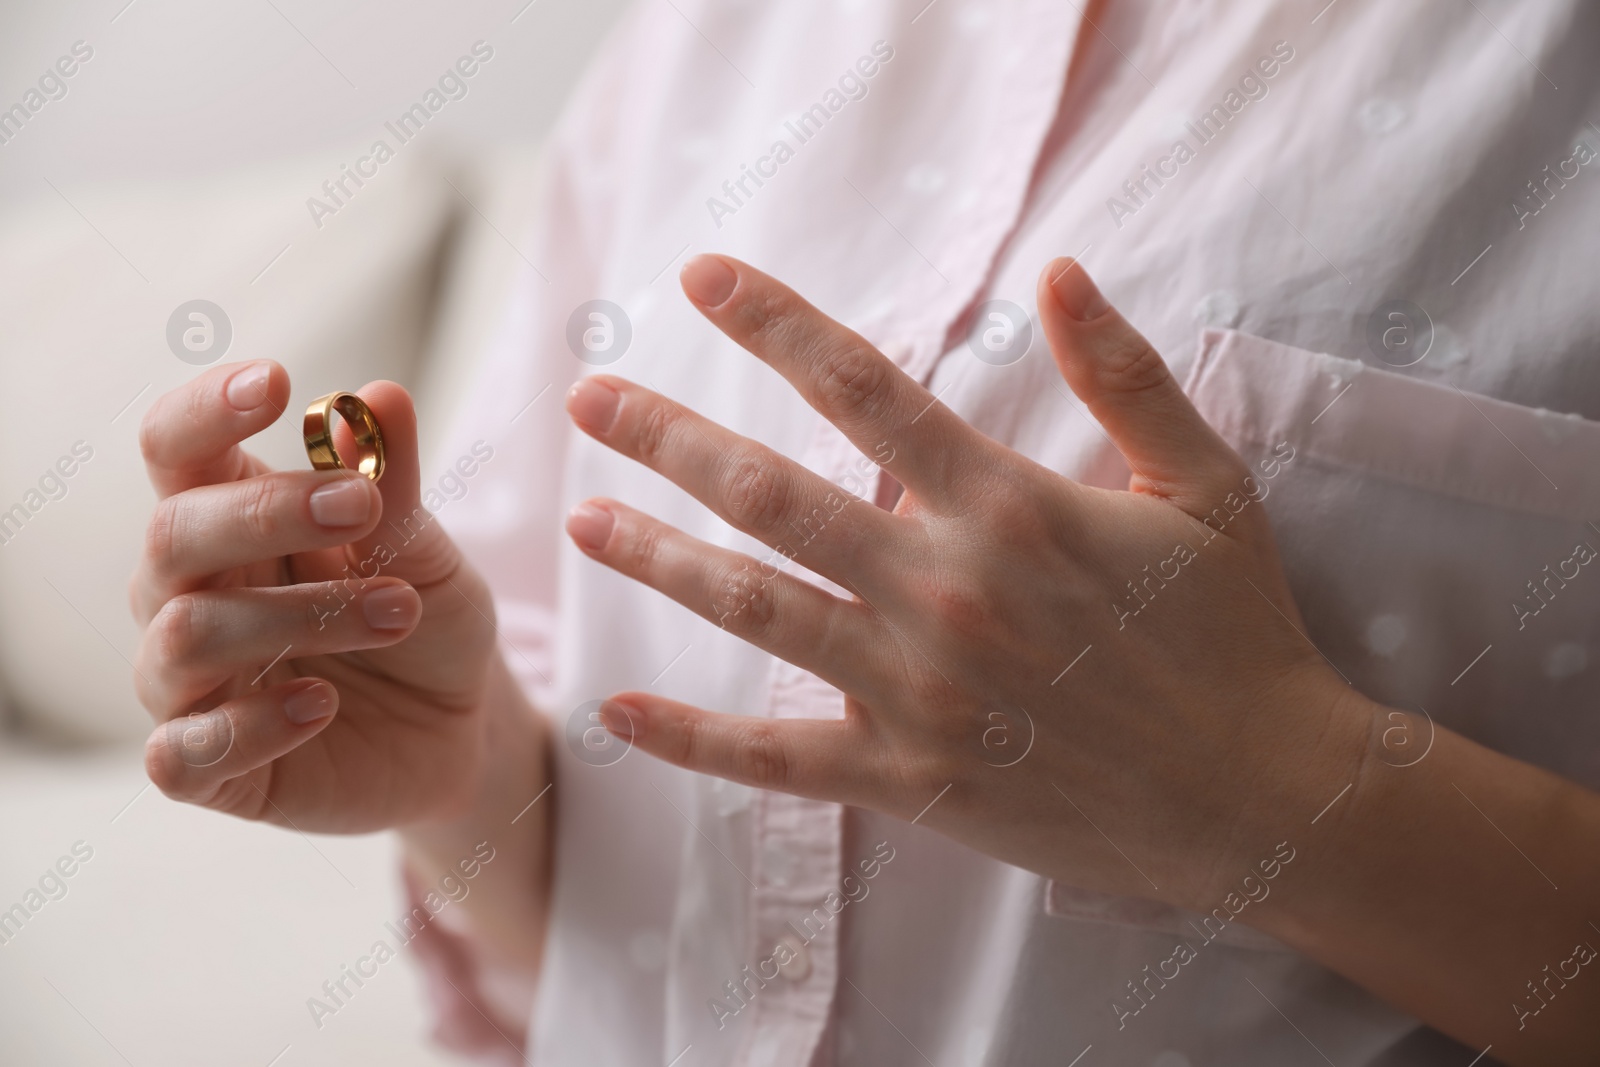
(213, 528)
(759, 492)
(199, 640)
(885, 413)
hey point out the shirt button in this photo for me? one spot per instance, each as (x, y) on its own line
(925, 178)
(766, 1050)
(1565, 660)
(974, 19)
(796, 961)
(1220, 308)
(777, 864)
(1557, 427)
(1176, 127)
(1385, 634)
(1447, 350)
(1340, 371)
(1380, 116)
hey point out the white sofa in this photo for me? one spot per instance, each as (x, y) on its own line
(182, 937)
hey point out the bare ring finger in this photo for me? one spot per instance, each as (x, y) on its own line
(777, 612)
(199, 640)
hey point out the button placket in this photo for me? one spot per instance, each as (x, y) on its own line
(799, 842)
(791, 1014)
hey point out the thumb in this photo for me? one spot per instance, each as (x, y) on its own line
(408, 542)
(1172, 451)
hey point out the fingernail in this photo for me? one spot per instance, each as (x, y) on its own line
(590, 526)
(622, 720)
(594, 404)
(708, 280)
(395, 607)
(247, 389)
(345, 502)
(1075, 291)
(310, 704)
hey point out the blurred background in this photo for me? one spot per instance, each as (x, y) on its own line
(174, 164)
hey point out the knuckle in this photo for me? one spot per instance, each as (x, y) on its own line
(260, 500)
(176, 631)
(654, 430)
(182, 755)
(761, 610)
(761, 756)
(944, 707)
(321, 610)
(1130, 364)
(756, 606)
(161, 535)
(756, 495)
(327, 607)
(728, 595)
(643, 549)
(687, 744)
(166, 771)
(960, 606)
(151, 436)
(853, 384)
(767, 314)
(160, 431)
(1016, 518)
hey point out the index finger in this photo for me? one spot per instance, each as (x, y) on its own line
(190, 436)
(884, 412)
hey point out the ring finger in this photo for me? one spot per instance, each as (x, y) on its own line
(199, 640)
(776, 612)
(756, 490)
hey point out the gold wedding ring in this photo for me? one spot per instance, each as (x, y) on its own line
(318, 432)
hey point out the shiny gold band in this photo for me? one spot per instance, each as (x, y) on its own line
(318, 431)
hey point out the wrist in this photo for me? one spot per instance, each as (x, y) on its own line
(506, 816)
(1333, 805)
(1306, 756)
(511, 761)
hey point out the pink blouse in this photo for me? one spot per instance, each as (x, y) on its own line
(1357, 231)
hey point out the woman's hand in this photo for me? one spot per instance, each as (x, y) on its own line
(315, 649)
(1110, 688)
